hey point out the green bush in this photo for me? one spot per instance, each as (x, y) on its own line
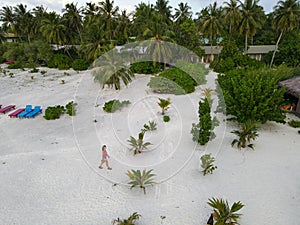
(80, 64)
(166, 119)
(13, 66)
(60, 61)
(294, 123)
(207, 164)
(196, 70)
(34, 70)
(145, 67)
(43, 72)
(173, 81)
(70, 108)
(54, 112)
(114, 105)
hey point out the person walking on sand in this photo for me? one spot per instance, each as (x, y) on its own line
(105, 157)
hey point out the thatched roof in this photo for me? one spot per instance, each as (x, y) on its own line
(260, 49)
(292, 86)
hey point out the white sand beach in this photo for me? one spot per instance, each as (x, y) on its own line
(49, 168)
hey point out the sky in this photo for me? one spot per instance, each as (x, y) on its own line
(57, 5)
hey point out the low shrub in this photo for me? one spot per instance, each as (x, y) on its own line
(166, 119)
(173, 81)
(207, 164)
(151, 126)
(294, 123)
(60, 61)
(54, 112)
(70, 108)
(34, 70)
(43, 72)
(196, 70)
(145, 67)
(80, 64)
(13, 66)
(114, 105)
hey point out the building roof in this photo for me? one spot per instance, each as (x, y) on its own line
(215, 50)
(10, 35)
(260, 49)
(292, 86)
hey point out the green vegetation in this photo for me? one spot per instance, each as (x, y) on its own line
(43, 72)
(70, 108)
(145, 67)
(223, 213)
(129, 221)
(151, 126)
(60, 61)
(166, 118)
(80, 64)
(34, 70)
(164, 104)
(196, 70)
(54, 112)
(294, 123)
(173, 81)
(13, 66)
(246, 133)
(114, 105)
(207, 164)
(141, 180)
(203, 131)
(138, 145)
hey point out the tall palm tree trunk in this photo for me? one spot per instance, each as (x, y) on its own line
(246, 43)
(276, 47)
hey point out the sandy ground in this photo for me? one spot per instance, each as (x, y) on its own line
(49, 169)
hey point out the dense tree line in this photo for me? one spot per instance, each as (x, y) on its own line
(99, 27)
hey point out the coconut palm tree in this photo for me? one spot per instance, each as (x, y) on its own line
(223, 214)
(247, 133)
(139, 179)
(8, 18)
(163, 11)
(73, 19)
(210, 21)
(250, 19)
(111, 70)
(53, 29)
(123, 26)
(164, 104)
(286, 18)
(109, 12)
(138, 144)
(182, 13)
(232, 15)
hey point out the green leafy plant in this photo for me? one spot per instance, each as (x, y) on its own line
(14, 66)
(60, 61)
(196, 71)
(151, 126)
(114, 105)
(11, 75)
(164, 104)
(294, 123)
(137, 145)
(166, 118)
(207, 164)
(129, 221)
(80, 64)
(34, 70)
(54, 112)
(67, 74)
(43, 72)
(140, 180)
(146, 67)
(70, 108)
(173, 81)
(223, 213)
(246, 133)
(62, 81)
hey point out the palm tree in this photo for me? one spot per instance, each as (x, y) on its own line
(142, 18)
(250, 19)
(223, 214)
(139, 179)
(247, 133)
(232, 15)
(73, 19)
(8, 18)
(163, 11)
(39, 13)
(182, 13)
(107, 9)
(164, 104)
(287, 14)
(211, 23)
(111, 70)
(138, 144)
(53, 29)
(130, 221)
(123, 26)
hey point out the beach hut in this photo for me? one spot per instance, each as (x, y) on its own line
(292, 87)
